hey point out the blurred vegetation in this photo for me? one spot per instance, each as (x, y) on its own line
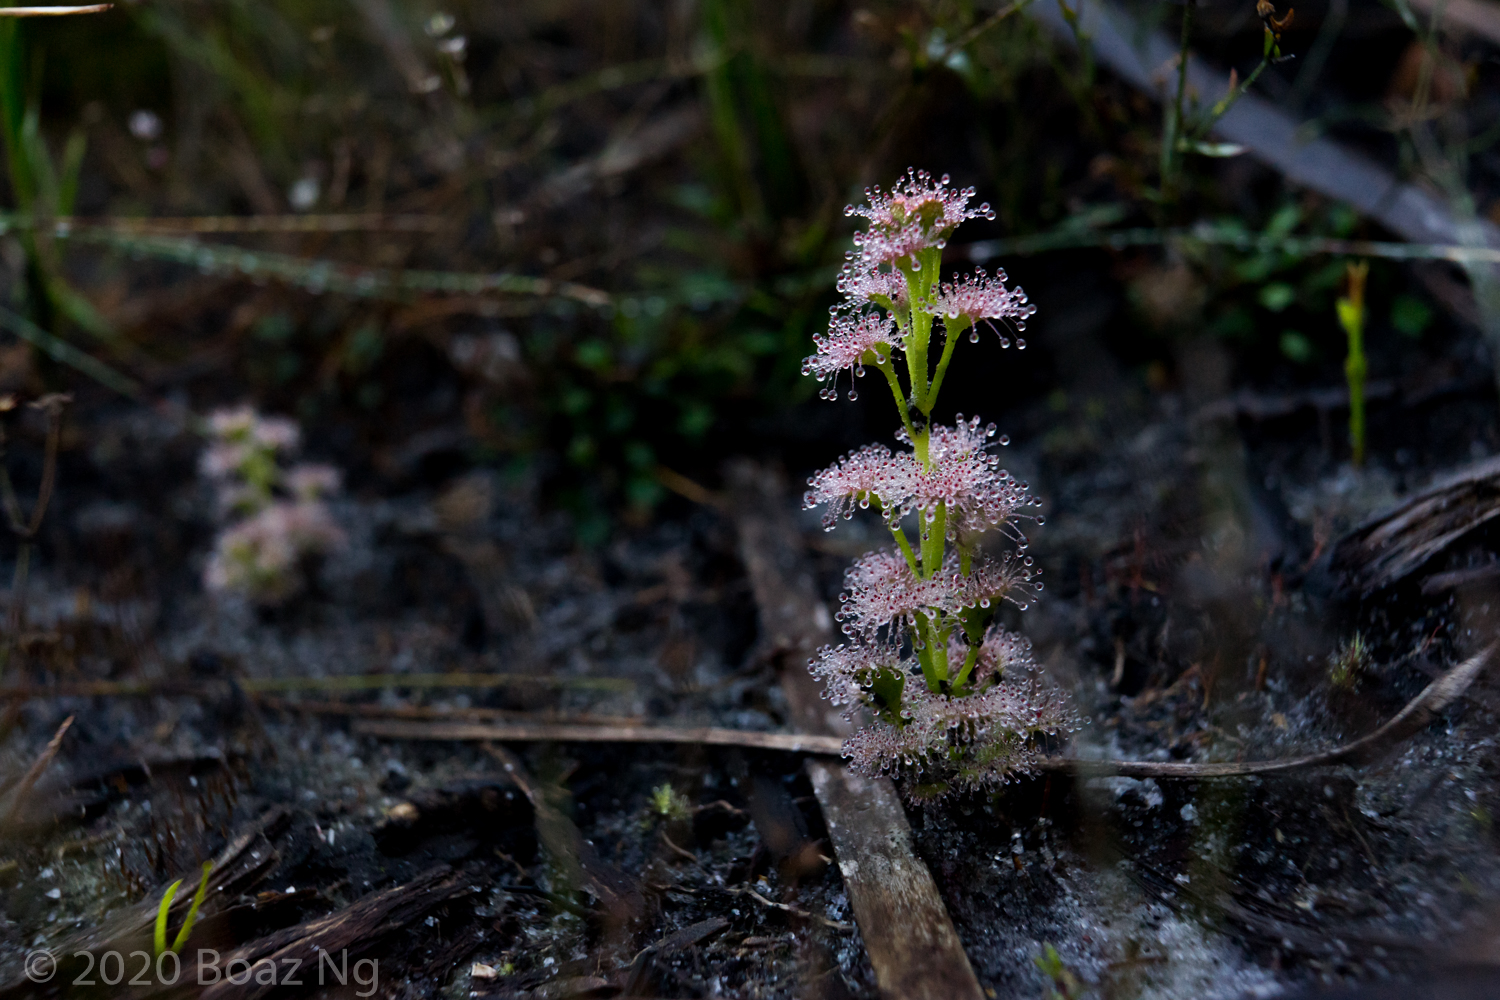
(669, 179)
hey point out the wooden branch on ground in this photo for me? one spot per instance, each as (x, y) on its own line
(575, 858)
(205, 224)
(1393, 545)
(1416, 714)
(339, 683)
(243, 863)
(93, 8)
(562, 732)
(34, 773)
(368, 710)
(343, 935)
(908, 934)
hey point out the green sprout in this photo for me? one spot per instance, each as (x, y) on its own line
(668, 803)
(1351, 310)
(1350, 662)
(160, 941)
(1064, 985)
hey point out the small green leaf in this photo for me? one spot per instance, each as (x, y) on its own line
(192, 913)
(1277, 296)
(1285, 220)
(1410, 316)
(886, 686)
(160, 940)
(1296, 347)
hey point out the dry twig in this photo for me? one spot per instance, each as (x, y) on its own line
(907, 932)
(34, 773)
(563, 732)
(93, 8)
(1398, 542)
(1417, 713)
(340, 683)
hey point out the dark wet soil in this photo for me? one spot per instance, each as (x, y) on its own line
(1190, 610)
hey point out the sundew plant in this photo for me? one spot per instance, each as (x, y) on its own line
(276, 518)
(954, 699)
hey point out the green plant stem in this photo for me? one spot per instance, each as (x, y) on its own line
(934, 541)
(905, 547)
(933, 656)
(915, 347)
(1351, 315)
(962, 678)
(1173, 127)
(1354, 369)
(192, 913)
(1227, 101)
(888, 369)
(951, 333)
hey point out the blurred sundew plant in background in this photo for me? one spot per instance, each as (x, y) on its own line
(274, 518)
(956, 700)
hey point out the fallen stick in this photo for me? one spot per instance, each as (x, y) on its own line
(1480, 17)
(355, 223)
(338, 683)
(574, 857)
(34, 773)
(1417, 713)
(1400, 541)
(564, 732)
(93, 8)
(907, 932)
(358, 929)
(440, 714)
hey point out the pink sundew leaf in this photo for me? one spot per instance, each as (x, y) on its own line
(916, 214)
(860, 283)
(880, 590)
(962, 475)
(849, 342)
(980, 296)
(977, 741)
(843, 670)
